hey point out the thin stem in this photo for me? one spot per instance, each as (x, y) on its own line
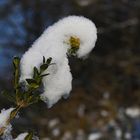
(16, 63)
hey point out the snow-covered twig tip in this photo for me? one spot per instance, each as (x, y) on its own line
(73, 35)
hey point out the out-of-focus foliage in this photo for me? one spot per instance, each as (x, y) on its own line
(104, 85)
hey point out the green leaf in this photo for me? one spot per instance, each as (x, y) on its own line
(29, 136)
(26, 95)
(36, 73)
(16, 62)
(43, 75)
(29, 99)
(34, 99)
(44, 60)
(43, 67)
(49, 60)
(32, 83)
(38, 80)
(10, 97)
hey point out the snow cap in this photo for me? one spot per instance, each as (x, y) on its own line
(71, 35)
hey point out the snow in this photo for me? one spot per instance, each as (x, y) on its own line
(4, 116)
(56, 132)
(7, 133)
(52, 123)
(80, 27)
(133, 112)
(67, 136)
(21, 136)
(128, 136)
(54, 43)
(94, 136)
(57, 84)
(81, 110)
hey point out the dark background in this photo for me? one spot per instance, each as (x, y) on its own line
(105, 85)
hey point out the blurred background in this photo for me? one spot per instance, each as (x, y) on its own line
(105, 101)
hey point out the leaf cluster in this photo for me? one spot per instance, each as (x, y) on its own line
(22, 96)
(26, 93)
